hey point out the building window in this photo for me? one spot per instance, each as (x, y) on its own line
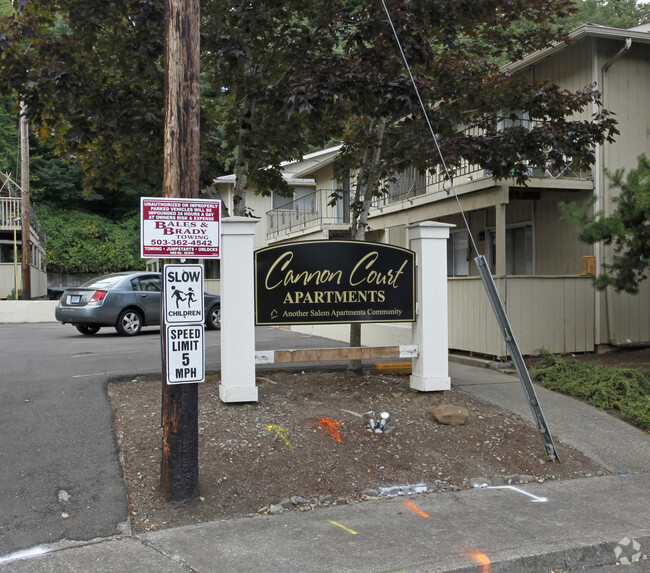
(212, 268)
(458, 254)
(302, 200)
(519, 250)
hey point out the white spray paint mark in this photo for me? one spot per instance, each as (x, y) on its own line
(25, 554)
(536, 499)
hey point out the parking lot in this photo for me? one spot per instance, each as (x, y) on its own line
(56, 425)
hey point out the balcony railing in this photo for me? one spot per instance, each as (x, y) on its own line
(314, 209)
(413, 183)
(11, 214)
(308, 211)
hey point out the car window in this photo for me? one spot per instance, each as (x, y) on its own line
(146, 284)
(106, 281)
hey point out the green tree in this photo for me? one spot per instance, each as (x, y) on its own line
(91, 76)
(8, 136)
(616, 13)
(465, 93)
(80, 242)
(250, 50)
(626, 229)
(6, 8)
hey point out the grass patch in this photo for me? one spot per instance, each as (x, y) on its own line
(608, 388)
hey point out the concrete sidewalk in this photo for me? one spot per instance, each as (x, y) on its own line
(561, 525)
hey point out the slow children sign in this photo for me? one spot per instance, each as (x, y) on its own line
(315, 282)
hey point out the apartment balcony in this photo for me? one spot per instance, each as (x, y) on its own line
(416, 187)
(309, 214)
(11, 216)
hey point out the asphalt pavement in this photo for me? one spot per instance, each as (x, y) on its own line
(556, 525)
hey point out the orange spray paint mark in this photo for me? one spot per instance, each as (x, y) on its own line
(416, 509)
(332, 427)
(483, 560)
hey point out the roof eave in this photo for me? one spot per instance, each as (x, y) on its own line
(579, 33)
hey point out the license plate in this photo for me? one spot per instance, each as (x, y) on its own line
(74, 299)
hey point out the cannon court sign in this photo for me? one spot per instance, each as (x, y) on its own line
(329, 282)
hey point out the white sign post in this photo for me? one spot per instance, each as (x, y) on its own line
(183, 311)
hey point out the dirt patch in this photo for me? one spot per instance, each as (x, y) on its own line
(637, 358)
(307, 444)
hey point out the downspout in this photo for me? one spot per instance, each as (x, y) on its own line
(600, 193)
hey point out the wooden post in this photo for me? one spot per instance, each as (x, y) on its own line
(25, 232)
(179, 463)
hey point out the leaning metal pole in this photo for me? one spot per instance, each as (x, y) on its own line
(488, 282)
(517, 358)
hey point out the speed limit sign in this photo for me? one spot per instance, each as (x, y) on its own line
(185, 354)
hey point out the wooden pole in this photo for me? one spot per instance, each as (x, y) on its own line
(25, 233)
(179, 463)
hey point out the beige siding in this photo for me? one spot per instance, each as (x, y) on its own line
(571, 69)
(626, 88)
(38, 280)
(472, 326)
(557, 248)
(324, 177)
(629, 316)
(554, 313)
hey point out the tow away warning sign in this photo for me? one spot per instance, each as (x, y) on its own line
(179, 228)
(185, 354)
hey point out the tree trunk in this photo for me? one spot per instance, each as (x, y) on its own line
(243, 165)
(367, 183)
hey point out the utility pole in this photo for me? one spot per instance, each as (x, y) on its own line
(25, 233)
(179, 463)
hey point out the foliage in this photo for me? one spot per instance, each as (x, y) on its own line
(12, 294)
(626, 229)
(91, 77)
(6, 8)
(80, 242)
(618, 14)
(623, 389)
(249, 51)
(474, 107)
(8, 136)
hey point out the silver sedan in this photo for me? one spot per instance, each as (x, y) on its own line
(126, 301)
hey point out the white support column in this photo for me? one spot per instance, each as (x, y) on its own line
(237, 311)
(430, 329)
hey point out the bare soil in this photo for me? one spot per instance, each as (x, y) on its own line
(307, 444)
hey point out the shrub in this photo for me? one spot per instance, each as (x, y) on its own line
(608, 388)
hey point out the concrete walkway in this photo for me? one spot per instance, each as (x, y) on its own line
(556, 525)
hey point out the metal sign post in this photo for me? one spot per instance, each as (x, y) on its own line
(517, 358)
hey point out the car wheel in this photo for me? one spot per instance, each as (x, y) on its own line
(129, 323)
(213, 320)
(87, 328)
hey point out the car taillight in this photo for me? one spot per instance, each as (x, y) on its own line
(98, 296)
